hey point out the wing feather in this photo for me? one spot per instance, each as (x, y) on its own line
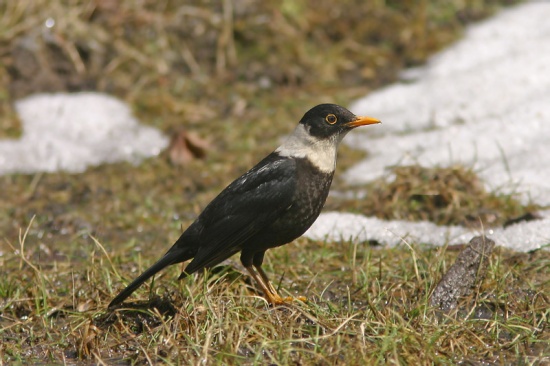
(243, 209)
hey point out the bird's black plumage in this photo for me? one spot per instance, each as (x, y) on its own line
(270, 205)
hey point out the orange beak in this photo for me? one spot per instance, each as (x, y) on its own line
(362, 121)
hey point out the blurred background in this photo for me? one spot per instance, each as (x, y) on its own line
(185, 62)
(235, 75)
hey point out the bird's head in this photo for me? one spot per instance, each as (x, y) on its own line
(330, 121)
(318, 134)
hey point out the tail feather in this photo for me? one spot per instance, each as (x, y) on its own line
(172, 257)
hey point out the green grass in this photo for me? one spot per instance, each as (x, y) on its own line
(70, 242)
(364, 305)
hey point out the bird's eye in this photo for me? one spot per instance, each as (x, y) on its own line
(331, 119)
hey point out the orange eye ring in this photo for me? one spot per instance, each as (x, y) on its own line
(331, 119)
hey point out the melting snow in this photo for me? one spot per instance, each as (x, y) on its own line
(483, 102)
(74, 131)
(337, 226)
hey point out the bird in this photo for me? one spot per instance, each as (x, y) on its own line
(270, 205)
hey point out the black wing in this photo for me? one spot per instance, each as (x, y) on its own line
(243, 209)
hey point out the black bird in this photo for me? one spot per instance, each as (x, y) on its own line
(272, 204)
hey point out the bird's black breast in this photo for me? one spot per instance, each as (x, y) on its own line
(309, 196)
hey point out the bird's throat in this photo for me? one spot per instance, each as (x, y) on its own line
(320, 152)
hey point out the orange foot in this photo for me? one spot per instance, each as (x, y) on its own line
(269, 290)
(275, 299)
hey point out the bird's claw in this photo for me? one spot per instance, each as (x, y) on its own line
(277, 300)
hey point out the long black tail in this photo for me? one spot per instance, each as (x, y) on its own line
(172, 257)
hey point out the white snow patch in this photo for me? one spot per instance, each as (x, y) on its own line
(337, 226)
(484, 103)
(73, 131)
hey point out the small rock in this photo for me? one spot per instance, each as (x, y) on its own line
(468, 270)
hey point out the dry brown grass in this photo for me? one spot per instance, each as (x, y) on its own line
(445, 196)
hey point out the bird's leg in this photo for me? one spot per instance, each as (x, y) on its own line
(257, 261)
(268, 289)
(266, 280)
